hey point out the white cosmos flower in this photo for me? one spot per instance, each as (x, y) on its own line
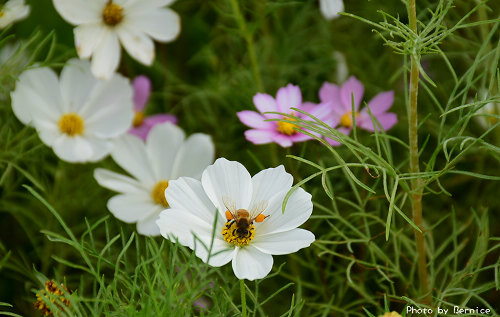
(103, 24)
(77, 115)
(165, 156)
(196, 206)
(487, 116)
(331, 8)
(12, 11)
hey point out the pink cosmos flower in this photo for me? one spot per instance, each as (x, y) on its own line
(342, 99)
(142, 124)
(283, 133)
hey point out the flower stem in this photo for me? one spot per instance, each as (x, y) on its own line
(240, 20)
(416, 183)
(243, 299)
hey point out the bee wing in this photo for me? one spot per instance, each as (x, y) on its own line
(258, 208)
(230, 204)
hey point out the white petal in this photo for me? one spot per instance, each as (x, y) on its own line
(130, 153)
(137, 44)
(72, 149)
(37, 96)
(106, 56)
(147, 226)
(268, 183)
(87, 38)
(221, 253)
(162, 24)
(194, 156)
(131, 208)
(145, 6)
(13, 10)
(196, 234)
(48, 133)
(298, 210)
(79, 12)
(77, 83)
(331, 8)
(100, 148)
(109, 109)
(250, 263)
(118, 182)
(284, 242)
(227, 179)
(162, 145)
(187, 194)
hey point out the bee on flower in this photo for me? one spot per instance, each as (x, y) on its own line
(247, 213)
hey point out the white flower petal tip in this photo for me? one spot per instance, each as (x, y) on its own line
(249, 225)
(76, 114)
(101, 26)
(331, 8)
(154, 166)
(12, 11)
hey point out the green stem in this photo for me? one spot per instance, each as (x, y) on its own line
(416, 183)
(243, 299)
(240, 20)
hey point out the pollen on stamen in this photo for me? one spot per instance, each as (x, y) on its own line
(287, 127)
(346, 119)
(112, 13)
(71, 124)
(231, 237)
(138, 119)
(58, 298)
(158, 193)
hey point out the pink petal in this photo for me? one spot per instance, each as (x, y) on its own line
(155, 119)
(381, 102)
(142, 90)
(351, 87)
(321, 111)
(142, 131)
(255, 120)
(387, 120)
(329, 92)
(308, 106)
(300, 137)
(332, 142)
(288, 97)
(283, 140)
(260, 136)
(264, 103)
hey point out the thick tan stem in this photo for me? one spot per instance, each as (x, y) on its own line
(414, 165)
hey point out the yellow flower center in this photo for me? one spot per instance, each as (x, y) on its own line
(1, 13)
(71, 124)
(112, 13)
(158, 193)
(391, 314)
(138, 119)
(287, 127)
(346, 119)
(237, 236)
